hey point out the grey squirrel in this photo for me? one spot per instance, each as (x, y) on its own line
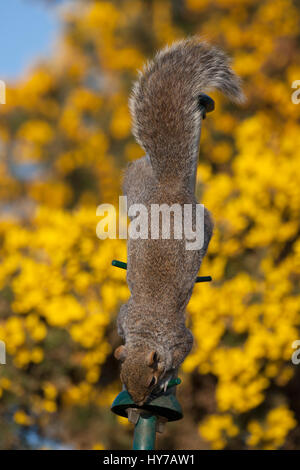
(161, 273)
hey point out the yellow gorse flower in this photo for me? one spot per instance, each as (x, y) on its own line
(59, 295)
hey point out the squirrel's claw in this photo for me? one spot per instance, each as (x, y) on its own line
(164, 384)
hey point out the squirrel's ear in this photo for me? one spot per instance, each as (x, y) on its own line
(152, 358)
(120, 353)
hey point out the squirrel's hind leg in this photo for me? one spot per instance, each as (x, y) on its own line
(138, 179)
(121, 320)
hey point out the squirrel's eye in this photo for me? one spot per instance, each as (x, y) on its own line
(153, 382)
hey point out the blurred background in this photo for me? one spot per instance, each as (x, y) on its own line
(65, 139)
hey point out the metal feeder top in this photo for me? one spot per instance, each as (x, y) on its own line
(165, 405)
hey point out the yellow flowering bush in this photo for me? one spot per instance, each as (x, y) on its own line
(65, 136)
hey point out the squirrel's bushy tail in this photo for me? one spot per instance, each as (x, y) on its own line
(164, 103)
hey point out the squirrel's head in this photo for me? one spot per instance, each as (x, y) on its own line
(140, 372)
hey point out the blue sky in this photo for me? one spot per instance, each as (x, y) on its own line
(27, 31)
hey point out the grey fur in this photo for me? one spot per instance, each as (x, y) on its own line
(161, 273)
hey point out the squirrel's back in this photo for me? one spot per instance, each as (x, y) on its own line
(161, 271)
(164, 103)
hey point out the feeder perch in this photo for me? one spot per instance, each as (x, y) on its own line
(122, 265)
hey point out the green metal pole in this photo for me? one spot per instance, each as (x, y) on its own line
(144, 433)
